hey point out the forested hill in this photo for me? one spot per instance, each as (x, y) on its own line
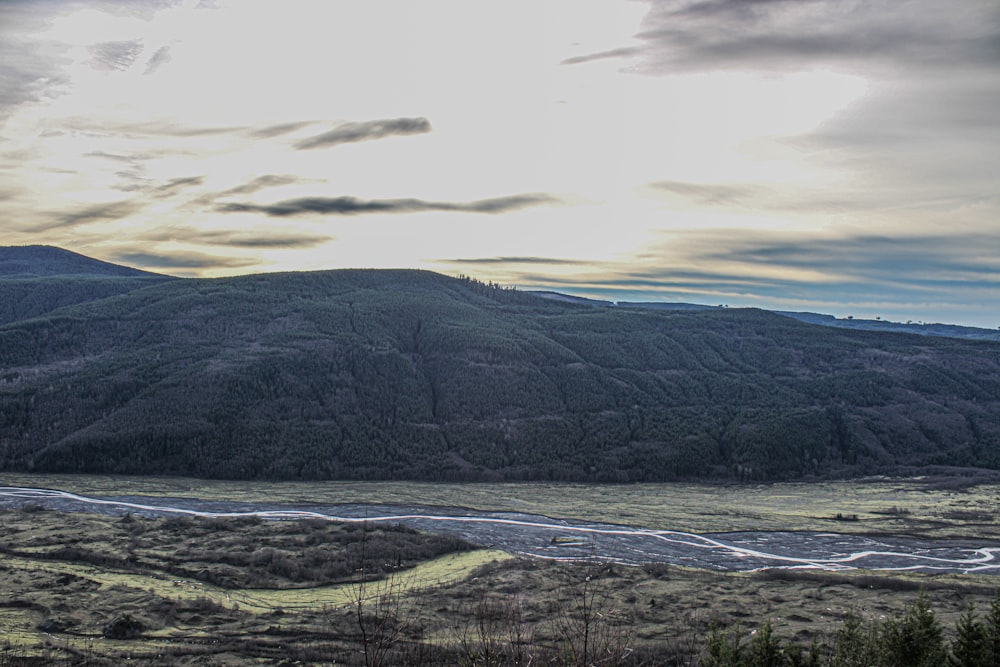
(408, 374)
(35, 280)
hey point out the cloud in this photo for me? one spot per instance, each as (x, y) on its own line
(235, 238)
(354, 206)
(623, 52)
(255, 185)
(260, 183)
(30, 69)
(758, 265)
(144, 128)
(243, 240)
(173, 185)
(88, 214)
(279, 129)
(512, 260)
(366, 131)
(707, 193)
(160, 58)
(788, 34)
(115, 55)
(142, 9)
(903, 277)
(919, 260)
(181, 260)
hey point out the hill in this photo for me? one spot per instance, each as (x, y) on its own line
(921, 328)
(35, 280)
(36, 261)
(410, 374)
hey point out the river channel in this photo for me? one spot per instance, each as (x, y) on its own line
(560, 539)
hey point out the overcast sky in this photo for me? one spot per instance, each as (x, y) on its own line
(838, 156)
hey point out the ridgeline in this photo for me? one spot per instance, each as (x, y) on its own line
(395, 374)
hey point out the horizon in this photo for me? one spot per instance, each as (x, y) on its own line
(788, 155)
(598, 299)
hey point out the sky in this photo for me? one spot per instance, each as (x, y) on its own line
(836, 156)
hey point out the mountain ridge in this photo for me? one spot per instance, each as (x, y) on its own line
(406, 374)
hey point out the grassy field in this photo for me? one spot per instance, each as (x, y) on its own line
(244, 591)
(928, 507)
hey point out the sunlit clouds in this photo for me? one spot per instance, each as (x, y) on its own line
(788, 154)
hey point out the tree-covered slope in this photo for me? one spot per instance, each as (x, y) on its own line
(408, 374)
(35, 280)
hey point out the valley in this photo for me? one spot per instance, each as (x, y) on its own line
(541, 536)
(207, 577)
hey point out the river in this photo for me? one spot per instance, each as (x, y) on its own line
(559, 539)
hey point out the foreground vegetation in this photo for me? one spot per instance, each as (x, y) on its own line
(92, 589)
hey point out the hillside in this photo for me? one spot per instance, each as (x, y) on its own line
(37, 261)
(35, 280)
(409, 374)
(859, 324)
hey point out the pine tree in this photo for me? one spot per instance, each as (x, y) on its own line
(970, 648)
(765, 649)
(724, 649)
(914, 641)
(992, 629)
(854, 645)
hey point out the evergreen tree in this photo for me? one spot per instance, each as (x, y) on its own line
(914, 641)
(765, 649)
(970, 648)
(992, 630)
(854, 645)
(723, 649)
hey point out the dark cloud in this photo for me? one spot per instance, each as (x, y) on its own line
(788, 34)
(115, 55)
(239, 238)
(623, 52)
(160, 58)
(783, 35)
(244, 240)
(511, 260)
(279, 129)
(354, 206)
(366, 131)
(181, 260)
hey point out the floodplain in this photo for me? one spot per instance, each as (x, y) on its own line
(246, 591)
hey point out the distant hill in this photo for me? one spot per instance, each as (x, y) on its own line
(920, 328)
(35, 280)
(37, 261)
(370, 374)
